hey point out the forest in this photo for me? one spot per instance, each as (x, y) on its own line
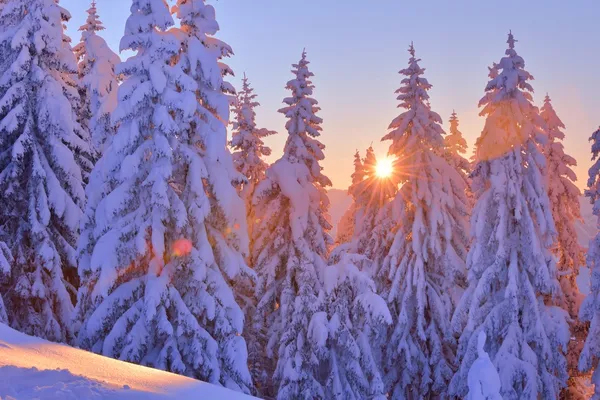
(141, 219)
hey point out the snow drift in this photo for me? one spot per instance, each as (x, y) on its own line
(32, 368)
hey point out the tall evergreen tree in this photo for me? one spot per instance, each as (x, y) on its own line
(427, 256)
(290, 248)
(349, 331)
(355, 319)
(373, 230)
(247, 143)
(164, 244)
(590, 308)
(367, 218)
(99, 83)
(564, 203)
(345, 228)
(456, 148)
(225, 227)
(511, 273)
(43, 150)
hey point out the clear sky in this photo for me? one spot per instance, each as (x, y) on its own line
(357, 47)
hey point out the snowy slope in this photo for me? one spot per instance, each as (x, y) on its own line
(32, 368)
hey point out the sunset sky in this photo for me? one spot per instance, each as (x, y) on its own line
(357, 47)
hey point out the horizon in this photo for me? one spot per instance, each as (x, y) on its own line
(456, 64)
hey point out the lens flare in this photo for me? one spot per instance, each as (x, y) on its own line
(182, 247)
(384, 168)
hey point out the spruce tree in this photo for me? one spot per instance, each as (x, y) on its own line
(225, 227)
(345, 229)
(373, 229)
(369, 216)
(349, 331)
(564, 203)
(164, 244)
(44, 153)
(456, 148)
(426, 259)
(290, 249)
(98, 80)
(247, 143)
(511, 273)
(590, 308)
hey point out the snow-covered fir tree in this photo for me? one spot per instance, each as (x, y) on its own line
(427, 257)
(98, 80)
(43, 150)
(345, 229)
(483, 379)
(167, 234)
(249, 150)
(456, 147)
(564, 203)
(354, 319)
(590, 308)
(511, 272)
(290, 249)
(225, 227)
(373, 229)
(368, 221)
(247, 143)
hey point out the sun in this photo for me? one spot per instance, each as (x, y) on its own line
(384, 168)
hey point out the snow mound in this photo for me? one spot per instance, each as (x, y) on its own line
(32, 368)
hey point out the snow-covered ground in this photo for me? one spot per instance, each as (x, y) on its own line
(32, 368)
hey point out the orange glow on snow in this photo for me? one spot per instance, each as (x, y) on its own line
(182, 247)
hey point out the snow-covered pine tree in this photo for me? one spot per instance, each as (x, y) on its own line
(98, 80)
(290, 248)
(248, 152)
(158, 259)
(511, 273)
(456, 147)
(345, 229)
(247, 143)
(590, 308)
(226, 227)
(373, 229)
(483, 379)
(354, 319)
(426, 259)
(564, 203)
(369, 217)
(43, 150)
